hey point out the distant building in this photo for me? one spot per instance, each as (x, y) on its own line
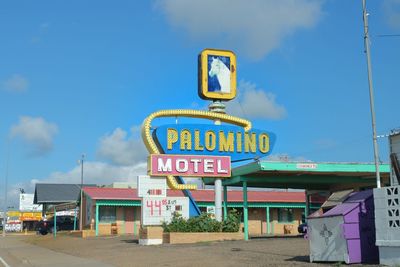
(123, 185)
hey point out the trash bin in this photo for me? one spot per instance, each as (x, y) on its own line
(345, 232)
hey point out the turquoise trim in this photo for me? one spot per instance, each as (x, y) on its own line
(75, 215)
(225, 203)
(121, 203)
(314, 167)
(97, 219)
(137, 203)
(261, 205)
(245, 212)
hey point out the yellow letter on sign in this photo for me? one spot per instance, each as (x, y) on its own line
(172, 137)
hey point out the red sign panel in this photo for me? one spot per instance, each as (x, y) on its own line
(190, 165)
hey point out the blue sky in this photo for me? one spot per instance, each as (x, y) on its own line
(80, 76)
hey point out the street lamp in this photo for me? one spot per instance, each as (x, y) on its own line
(81, 192)
(5, 189)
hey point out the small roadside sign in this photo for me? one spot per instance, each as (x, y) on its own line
(156, 210)
(151, 186)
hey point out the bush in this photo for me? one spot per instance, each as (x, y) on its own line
(203, 223)
(232, 222)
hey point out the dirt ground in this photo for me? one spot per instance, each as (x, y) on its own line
(125, 251)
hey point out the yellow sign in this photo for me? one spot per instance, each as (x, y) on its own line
(30, 216)
(13, 213)
(153, 148)
(217, 74)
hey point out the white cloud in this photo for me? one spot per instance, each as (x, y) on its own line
(255, 27)
(120, 149)
(16, 83)
(36, 132)
(13, 194)
(98, 173)
(255, 103)
(95, 172)
(392, 12)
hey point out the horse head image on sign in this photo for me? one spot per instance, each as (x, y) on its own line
(217, 75)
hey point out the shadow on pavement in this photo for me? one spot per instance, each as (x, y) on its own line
(130, 241)
(277, 236)
(299, 259)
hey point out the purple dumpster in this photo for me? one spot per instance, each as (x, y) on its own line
(345, 233)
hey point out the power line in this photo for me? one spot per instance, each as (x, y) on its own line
(388, 35)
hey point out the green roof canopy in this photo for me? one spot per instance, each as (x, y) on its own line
(305, 175)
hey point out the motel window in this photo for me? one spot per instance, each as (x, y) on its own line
(285, 215)
(107, 214)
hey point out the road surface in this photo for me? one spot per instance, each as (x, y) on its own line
(14, 252)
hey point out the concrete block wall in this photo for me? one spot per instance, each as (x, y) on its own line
(387, 212)
(387, 224)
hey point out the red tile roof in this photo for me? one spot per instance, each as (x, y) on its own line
(111, 193)
(201, 195)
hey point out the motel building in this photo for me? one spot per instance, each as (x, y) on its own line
(117, 210)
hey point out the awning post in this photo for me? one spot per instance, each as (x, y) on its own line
(97, 219)
(245, 212)
(225, 202)
(55, 223)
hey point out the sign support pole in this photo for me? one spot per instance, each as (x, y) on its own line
(219, 107)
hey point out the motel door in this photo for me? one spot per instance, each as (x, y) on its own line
(129, 220)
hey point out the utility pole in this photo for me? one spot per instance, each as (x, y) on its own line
(81, 206)
(5, 187)
(371, 93)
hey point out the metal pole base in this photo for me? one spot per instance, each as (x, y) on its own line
(217, 106)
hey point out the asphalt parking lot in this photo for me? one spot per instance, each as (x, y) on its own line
(124, 251)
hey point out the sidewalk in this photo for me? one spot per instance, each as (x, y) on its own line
(18, 253)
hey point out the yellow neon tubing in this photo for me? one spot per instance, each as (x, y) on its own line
(152, 147)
